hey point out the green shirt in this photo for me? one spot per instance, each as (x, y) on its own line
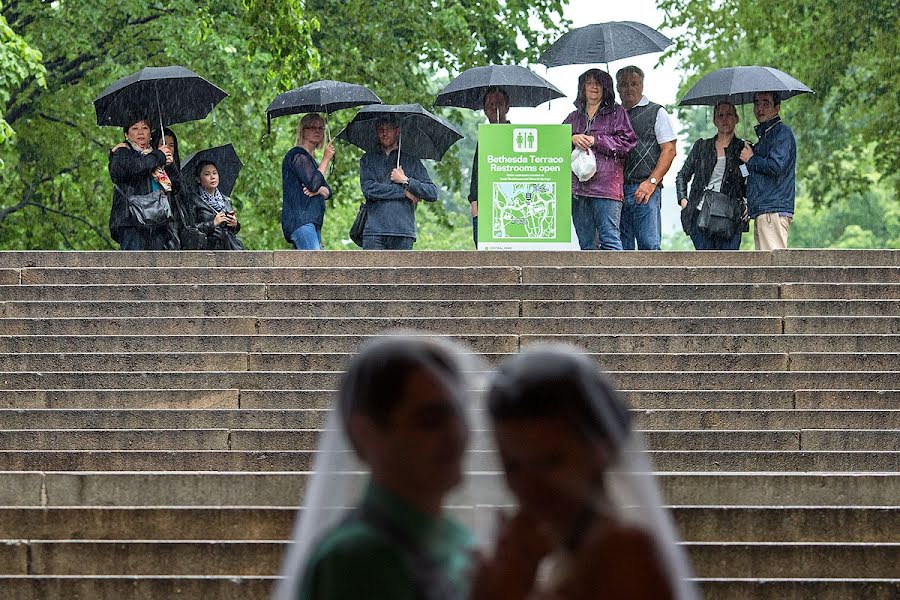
(355, 560)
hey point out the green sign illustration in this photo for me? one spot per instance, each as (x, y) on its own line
(524, 187)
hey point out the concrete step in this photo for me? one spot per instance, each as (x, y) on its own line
(725, 274)
(40, 587)
(849, 291)
(413, 307)
(327, 380)
(799, 589)
(819, 461)
(695, 523)
(299, 419)
(496, 343)
(308, 439)
(212, 489)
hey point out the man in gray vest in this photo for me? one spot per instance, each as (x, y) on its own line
(647, 164)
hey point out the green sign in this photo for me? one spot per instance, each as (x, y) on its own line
(524, 187)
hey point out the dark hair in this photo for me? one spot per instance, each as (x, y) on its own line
(386, 119)
(776, 97)
(202, 164)
(630, 69)
(135, 119)
(376, 378)
(606, 83)
(495, 89)
(559, 381)
(720, 103)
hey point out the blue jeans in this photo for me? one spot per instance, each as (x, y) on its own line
(702, 241)
(387, 242)
(597, 218)
(475, 230)
(307, 237)
(641, 222)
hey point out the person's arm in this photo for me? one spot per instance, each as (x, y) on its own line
(205, 216)
(420, 183)
(125, 163)
(307, 172)
(686, 174)
(372, 188)
(620, 140)
(473, 184)
(777, 160)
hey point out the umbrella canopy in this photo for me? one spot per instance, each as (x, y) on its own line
(324, 96)
(604, 43)
(738, 84)
(524, 87)
(227, 163)
(166, 95)
(422, 134)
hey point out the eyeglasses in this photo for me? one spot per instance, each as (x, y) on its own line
(316, 127)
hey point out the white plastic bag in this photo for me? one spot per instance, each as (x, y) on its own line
(584, 164)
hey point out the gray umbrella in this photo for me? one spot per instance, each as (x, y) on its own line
(604, 43)
(422, 134)
(738, 84)
(171, 94)
(324, 96)
(524, 87)
(228, 164)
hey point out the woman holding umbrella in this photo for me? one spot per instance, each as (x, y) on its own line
(136, 168)
(713, 165)
(304, 189)
(601, 127)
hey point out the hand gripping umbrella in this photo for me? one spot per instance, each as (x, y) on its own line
(324, 96)
(738, 84)
(523, 87)
(227, 163)
(422, 134)
(604, 43)
(176, 94)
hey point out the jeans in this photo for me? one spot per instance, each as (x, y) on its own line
(597, 218)
(475, 231)
(702, 241)
(641, 222)
(387, 242)
(307, 237)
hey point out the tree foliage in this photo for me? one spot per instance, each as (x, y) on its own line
(19, 62)
(55, 191)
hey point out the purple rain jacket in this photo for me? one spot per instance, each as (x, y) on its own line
(613, 140)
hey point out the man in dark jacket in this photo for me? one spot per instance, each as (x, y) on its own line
(770, 185)
(391, 191)
(496, 105)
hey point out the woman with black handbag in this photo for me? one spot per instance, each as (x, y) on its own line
(138, 171)
(714, 213)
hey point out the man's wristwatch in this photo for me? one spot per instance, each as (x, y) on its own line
(405, 184)
(653, 180)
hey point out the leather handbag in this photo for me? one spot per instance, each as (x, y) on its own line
(150, 211)
(359, 225)
(719, 215)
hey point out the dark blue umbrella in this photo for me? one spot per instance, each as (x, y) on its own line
(738, 84)
(604, 43)
(324, 96)
(166, 95)
(524, 87)
(422, 134)
(227, 163)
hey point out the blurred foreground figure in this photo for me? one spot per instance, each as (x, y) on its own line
(400, 409)
(589, 523)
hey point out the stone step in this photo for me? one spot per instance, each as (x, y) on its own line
(496, 343)
(799, 589)
(327, 380)
(413, 307)
(789, 257)
(849, 291)
(322, 361)
(819, 461)
(212, 489)
(308, 439)
(299, 419)
(194, 557)
(463, 274)
(694, 523)
(41, 587)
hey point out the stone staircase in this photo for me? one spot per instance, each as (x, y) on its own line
(159, 411)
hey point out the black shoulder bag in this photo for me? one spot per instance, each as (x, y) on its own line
(720, 215)
(359, 225)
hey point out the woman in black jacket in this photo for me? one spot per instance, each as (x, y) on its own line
(179, 198)
(136, 169)
(713, 164)
(212, 211)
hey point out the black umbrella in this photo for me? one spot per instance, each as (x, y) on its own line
(524, 87)
(422, 134)
(227, 163)
(604, 43)
(170, 94)
(738, 84)
(320, 96)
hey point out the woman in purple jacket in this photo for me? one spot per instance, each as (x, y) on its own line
(602, 127)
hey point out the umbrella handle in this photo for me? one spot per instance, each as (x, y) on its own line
(399, 142)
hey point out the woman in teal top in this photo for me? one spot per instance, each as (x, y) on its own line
(400, 410)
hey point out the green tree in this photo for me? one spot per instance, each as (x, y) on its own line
(19, 63)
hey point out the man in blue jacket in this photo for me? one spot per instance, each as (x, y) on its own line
(392, 192)
(772, 162)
